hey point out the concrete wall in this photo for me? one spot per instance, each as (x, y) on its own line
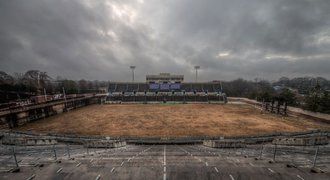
(104, 144)
(310, 141)
(21, 141)
(224, 143)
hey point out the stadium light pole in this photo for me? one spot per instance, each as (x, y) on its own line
(196, 68)
(132, 68)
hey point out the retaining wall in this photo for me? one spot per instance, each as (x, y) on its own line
(23, 141)
(224, 143)
(104, 144)
(309, 141)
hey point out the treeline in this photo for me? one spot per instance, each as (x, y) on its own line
(306, 92)
(34, 82)
(318, 100)
(304, 84)
(260, 91)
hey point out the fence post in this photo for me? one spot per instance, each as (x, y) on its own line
(262, 147)
(14, 154)
(275, 148)
(315, 156)
(55, 156)
(68, 150)
(184, 98)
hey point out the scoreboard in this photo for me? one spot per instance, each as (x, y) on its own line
(165, 86)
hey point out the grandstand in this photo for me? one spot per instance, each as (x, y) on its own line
(165, 91)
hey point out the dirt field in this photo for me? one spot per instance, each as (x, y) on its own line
(170, 120)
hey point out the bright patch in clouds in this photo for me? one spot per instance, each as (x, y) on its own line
(223, 54)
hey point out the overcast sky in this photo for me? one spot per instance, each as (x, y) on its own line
(99, 39)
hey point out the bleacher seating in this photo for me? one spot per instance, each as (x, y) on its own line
(184, 92)
(217, 87)
(113, 87)
(208, 87)
(197, 87)
(143, 87)
(132, 87)
(121, 87)
(187, 87)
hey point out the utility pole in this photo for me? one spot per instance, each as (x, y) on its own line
(132, 68)
(196, 69)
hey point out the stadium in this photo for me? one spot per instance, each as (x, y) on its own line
(164, 128)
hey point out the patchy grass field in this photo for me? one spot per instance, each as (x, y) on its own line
(170, 120)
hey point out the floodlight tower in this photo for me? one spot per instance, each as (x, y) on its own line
(196, 69)
(132, 68)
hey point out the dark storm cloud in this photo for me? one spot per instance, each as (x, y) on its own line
(228, 38)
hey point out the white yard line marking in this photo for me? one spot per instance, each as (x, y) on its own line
(216, 169)
(271, 170)
(300, 177)
(31, 177)
(231, 177)
(59, 170)
(112, 169)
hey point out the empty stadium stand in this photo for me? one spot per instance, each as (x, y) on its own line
(143, 87)
(121, 87)
(179, 92)
(208, 88)
(112, 87)
(132, 87)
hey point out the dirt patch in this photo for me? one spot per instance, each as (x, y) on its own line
(170, 120)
